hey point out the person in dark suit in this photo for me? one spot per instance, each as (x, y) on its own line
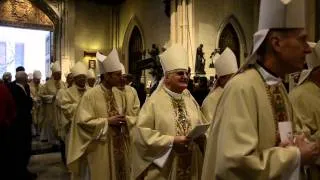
(21, 129)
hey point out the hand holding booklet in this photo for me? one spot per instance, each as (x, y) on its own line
(198, 131)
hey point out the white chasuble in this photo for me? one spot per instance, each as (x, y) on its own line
(243, 141)
(163, 116)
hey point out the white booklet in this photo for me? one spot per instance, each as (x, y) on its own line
(198, 131)
(285, 130)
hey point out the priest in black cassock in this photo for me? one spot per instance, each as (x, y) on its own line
(21, 128)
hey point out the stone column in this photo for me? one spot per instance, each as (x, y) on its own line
(113, 40)
(181, 28)
(311, 23)
(67, 36)
(173, 24)
(190, 34)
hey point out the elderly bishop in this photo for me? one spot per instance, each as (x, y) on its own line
(162, 149)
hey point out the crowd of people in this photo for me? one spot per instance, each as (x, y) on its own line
(245, 126)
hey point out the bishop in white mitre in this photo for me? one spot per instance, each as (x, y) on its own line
(161, 148)
(226, 66)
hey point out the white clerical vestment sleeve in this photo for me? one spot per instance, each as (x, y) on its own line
(161, 161)
(86, 119)
(294, 173)
(105, 129)
(239, 152)
(149, 141)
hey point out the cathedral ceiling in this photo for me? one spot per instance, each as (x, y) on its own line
(22, 13)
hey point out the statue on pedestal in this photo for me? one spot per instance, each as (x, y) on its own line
(200, 61)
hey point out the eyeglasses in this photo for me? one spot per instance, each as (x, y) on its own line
(181, 73)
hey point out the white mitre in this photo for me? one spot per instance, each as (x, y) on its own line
(56, 67)
(277, 14)
(174, 58)
(226, 64)
(112, 62)
(37, 74)
(91, 73)
(100, 57)
(79, 69)
(123, 70)
(313, 61)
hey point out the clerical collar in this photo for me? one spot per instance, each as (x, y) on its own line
(22, 87)
(174, 95)
(267, 76)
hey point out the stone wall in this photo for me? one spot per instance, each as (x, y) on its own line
(210, 17)
(85, 27)
(311, 19)
(91, 28)
(88, 26)
(150, 17)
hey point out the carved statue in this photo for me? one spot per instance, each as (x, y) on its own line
(200, 61)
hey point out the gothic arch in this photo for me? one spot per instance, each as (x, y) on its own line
(133, 23)
(135, 49)
(233, 21)
(48, 10)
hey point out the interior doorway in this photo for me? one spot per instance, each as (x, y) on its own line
(135, 49)
(229, 38)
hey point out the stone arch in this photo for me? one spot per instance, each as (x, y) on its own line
(48, 10)
(233, 21)
(133, 23)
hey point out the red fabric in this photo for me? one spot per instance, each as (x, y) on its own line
(7, 107)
